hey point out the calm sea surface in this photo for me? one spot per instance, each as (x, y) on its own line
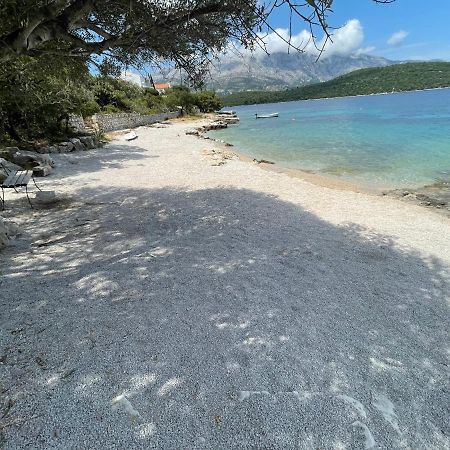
(384, 141)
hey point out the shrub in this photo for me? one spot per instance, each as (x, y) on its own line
(207, 101)
(38, 93)
(179, 96)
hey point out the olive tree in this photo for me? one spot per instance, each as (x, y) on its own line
(145, 31)
(38, 93)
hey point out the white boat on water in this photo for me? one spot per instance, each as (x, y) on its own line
(266, 116)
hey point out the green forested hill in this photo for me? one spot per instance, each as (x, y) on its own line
(399, 77)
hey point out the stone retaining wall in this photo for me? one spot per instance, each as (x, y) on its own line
(77, 123)
(112, 122)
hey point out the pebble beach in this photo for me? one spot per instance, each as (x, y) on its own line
(176, 296)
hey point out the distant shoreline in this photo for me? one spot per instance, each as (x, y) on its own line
(362, 95)
(340, 96)
(395, 78)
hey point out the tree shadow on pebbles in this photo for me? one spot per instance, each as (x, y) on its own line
(219, 319)
(111, 156)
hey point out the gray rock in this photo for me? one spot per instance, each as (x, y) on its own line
(4, 235)
(64, 147)
(45, 197)
(42, 171)
(7, 231)
(79, 146)
(88, 142)
(214, 126)
(29, 160)
(52, 149)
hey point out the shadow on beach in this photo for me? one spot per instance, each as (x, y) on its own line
(112, 156)
(227, 319)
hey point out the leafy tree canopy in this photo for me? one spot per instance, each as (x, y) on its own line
(37, 93)
(145, 31)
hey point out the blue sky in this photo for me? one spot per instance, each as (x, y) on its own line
(406, 29)
(403, 30)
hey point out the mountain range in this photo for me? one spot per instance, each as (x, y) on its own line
(407, 76)
(284, 70)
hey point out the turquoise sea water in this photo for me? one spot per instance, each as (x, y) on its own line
(381, 141)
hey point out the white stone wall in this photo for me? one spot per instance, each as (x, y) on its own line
(120, 121)
(77, 123)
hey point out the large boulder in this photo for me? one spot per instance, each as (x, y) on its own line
(47, 149)
(79, 146)
(88, 142)
(28, 160)
(66, 147)
(42, 171)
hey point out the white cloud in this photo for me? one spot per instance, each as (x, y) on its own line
(365, 50)
(398, 37)
(344, 41)
(132, 77)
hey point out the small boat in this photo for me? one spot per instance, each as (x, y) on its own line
(266, 116)
(130, 136)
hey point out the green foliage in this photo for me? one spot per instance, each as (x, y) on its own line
(395, 78)
(207, 101)
(38, 93)
(151, 92)
(180, 96)
(114, 94)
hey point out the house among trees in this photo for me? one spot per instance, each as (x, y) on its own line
(162, 87)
